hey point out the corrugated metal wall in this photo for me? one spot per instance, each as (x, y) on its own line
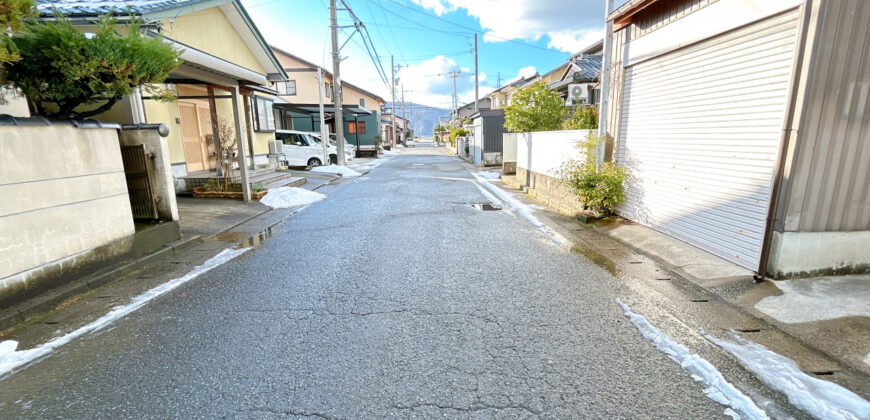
(662, 13)
(828, 187)
(493, 133)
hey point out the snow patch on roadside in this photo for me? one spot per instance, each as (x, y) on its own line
(819, 398)
(285, 197)
(521, 208)
(818, 299)
(867, 359)
(10, 358)
(335, 169)
(717, 387)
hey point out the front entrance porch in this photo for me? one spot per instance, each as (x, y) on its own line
(262, 177)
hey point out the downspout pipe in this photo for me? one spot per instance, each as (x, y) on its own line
(784, 144)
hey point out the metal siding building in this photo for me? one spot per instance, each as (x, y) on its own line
(828, 183)
(489, 126)
(745, 126)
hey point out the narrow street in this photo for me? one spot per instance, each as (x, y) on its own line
(392, 297)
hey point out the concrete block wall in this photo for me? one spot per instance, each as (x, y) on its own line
(548, 190)
(65, 200)
(539, 156)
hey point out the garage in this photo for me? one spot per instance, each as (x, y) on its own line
(700, 127)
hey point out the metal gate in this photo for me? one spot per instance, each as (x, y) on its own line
(700, 132)
(143, 201)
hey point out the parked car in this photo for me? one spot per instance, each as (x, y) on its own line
(303, 149)
(409, 142)
(349, 149)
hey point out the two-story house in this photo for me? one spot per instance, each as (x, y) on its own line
(298, 107)
(226, 73)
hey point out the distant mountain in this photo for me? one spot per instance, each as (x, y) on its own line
(423, 118)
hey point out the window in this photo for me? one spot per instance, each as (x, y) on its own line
(328, 88)
(362, 102)
(264, 118)
(356, 127)
(286, 88)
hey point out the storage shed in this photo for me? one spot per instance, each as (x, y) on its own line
(486, 137)
(745, 126)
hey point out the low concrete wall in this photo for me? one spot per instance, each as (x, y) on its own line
(160, 166)
(492, 159)
(65, 203)
(801, 254)
(539, 155)
(509, 153)
(548, 190)
(544, 152)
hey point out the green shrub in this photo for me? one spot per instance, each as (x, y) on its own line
(584, 118)
(13, 15)
(535, 108)
(457, 132)
(62, 70)
(599, 190)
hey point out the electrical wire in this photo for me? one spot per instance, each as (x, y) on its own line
(475, 30)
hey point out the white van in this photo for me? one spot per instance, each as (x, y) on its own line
(349, 149)
(303, 149)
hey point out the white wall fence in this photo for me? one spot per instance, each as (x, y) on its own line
(65, 195)
(544, 152)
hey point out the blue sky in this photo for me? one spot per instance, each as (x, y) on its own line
(431, 37)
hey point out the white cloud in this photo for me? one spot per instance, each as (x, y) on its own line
(568, 24)
(522, 74)
(429, 82)
(435, 5)
(573, 41)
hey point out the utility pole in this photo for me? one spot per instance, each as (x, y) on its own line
(324, 130)
(336, 86)
(475, 73)
(404, 130)
(498, 81)
(605, 84)
(393, 103)
(454, 74)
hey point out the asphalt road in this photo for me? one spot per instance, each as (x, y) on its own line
(393, 297)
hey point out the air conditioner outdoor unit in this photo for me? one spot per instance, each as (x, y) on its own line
(276, 147)
(577, 94)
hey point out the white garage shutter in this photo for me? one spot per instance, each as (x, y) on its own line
(699, 133)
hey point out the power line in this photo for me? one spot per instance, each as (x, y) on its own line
(383, 8)
(474, 30)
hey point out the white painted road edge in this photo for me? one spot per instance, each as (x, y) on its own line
(821, 399)
(521, 208)
(11, 359)
(717, 387)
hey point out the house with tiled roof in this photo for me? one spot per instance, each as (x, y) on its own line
(227, 73)
(583, 68)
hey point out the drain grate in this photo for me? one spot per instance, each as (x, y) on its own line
(824, 373)
(664, 279)
(699, 300)
(749, 330)
(485, 207)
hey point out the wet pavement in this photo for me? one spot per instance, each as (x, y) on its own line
(397, 296)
